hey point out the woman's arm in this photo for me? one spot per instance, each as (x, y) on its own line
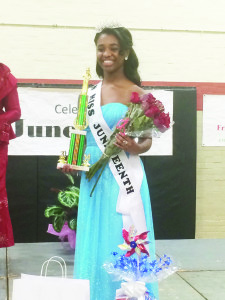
(144, 144)
(128, 144)
(12, 107)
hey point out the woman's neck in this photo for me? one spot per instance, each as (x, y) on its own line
(112, 78)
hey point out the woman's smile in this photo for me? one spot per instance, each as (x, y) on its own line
(107, 62)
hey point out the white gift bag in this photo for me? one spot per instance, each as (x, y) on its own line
(43, 287)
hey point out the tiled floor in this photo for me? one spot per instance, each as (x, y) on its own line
(201, 272)
(201, 265)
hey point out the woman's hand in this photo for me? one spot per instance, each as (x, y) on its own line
(128, 144)
(68, 169)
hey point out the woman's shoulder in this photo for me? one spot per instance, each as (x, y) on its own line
(7, 81)
(4, 70)
(137, 89)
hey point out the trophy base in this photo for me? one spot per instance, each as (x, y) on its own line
(74, 167)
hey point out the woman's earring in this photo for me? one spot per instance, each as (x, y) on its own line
(126, 58)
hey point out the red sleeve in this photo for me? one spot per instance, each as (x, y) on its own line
(7, 81)
(12, 107)
(9, 104)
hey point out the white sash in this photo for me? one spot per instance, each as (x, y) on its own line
(124, 169)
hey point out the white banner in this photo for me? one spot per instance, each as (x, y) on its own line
(48, 116)
(46, 120)
(213, 120)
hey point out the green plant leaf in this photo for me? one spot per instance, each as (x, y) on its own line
(73, 189)
(72, 224)
(70, 177)
(58, 222)
(68, 198)
(53, 211)
(66, 210)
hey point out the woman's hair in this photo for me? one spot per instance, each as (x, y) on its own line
(125, 40)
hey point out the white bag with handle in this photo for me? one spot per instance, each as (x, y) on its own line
(44, 287)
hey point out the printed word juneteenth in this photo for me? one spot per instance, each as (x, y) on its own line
(21, 129)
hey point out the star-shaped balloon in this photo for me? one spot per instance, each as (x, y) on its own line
(134, 243)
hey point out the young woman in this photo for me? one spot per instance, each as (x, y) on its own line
(112, 206)
(9, 113)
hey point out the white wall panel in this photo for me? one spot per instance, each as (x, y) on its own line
(158, 14)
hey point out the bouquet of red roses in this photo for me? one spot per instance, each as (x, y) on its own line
(145, 116)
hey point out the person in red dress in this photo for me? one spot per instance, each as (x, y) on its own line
(9, 113)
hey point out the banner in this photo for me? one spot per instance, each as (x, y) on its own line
(213, 120)
(48, 115)
(46, 120)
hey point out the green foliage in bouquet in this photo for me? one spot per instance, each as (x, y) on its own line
(66, 208)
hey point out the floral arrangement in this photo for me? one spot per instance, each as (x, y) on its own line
(137, 270)
(145, 116)
(65, 211)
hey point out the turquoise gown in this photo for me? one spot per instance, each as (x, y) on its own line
(99, 226)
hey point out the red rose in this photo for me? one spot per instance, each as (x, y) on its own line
(162, 121)
(145, 106)
(135, 98)
(159, 105)
(149, 98)
(152, 112)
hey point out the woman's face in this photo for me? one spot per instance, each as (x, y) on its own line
(108, 53)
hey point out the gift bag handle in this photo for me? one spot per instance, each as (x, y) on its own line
(44, 268)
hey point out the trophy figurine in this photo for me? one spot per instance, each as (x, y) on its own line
(76, 157)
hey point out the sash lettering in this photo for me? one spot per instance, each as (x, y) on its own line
(119, 166)
(100, 132)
